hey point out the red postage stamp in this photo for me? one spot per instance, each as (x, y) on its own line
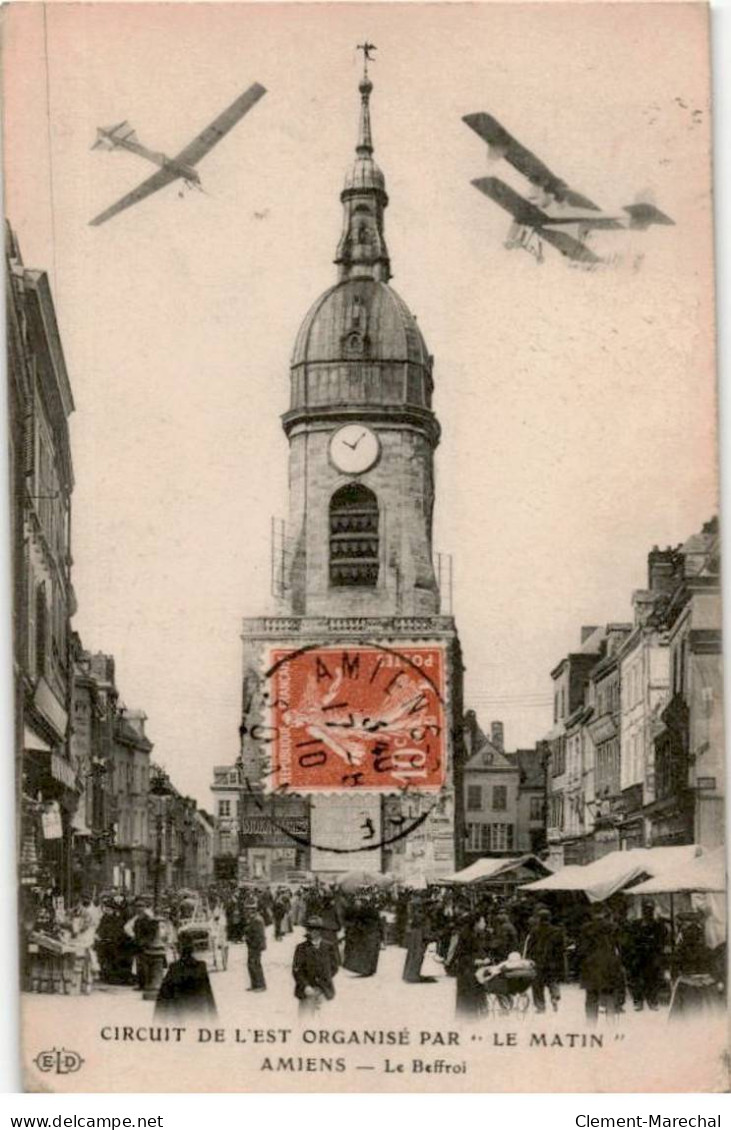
(365, 717)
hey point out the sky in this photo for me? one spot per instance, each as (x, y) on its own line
(577, 408)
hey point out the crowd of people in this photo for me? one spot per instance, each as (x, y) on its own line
(497, 948)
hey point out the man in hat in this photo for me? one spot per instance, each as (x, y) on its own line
(601, 970)
(142, 928)
(645, 959)
(504, 937)
(312, 968)
(256, 943)
(545, 946)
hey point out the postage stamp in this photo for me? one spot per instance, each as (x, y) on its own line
(363, 717)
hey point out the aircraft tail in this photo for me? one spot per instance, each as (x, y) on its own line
(642, 216)
(109, 137)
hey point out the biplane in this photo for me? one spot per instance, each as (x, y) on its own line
(554, 213)
(182, 166)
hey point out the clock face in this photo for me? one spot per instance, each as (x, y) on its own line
(354, 449)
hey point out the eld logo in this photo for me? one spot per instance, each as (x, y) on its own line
(59, 1060)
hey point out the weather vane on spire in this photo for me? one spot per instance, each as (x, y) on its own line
(367, 49)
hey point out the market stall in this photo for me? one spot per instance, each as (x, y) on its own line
(500, 874)
(616, 871)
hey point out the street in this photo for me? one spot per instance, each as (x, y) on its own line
(384, 1000)
(379, 1033)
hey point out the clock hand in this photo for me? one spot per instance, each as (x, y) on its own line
(352, 446)
(360, 437)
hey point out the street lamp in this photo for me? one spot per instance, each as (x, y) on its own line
(161, 789)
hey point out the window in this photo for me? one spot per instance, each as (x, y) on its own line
(500, 798)
(224, 839)
(473, 836)
(502, 837)
(474, 798)
(41, 629)
(224, 808)
(354, 537)
(556, 811)
(536, 808)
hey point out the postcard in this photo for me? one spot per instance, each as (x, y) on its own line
(365, 547)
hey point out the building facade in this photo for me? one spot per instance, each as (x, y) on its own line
(644, 692)
(640, 760)
(490, 787)
(603, 728)
(94, 719)
(256, 836)
(504, 794)
(531, 820)
(128, 858)
(687, 803)
(41, 482)
(205, 848)
(358, 589)
(566, 765)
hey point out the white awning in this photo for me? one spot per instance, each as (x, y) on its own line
(706, 872)
(31, 741)
(482, 870)
(615, 871)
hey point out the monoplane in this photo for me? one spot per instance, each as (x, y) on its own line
(554, 212)
(182, 166)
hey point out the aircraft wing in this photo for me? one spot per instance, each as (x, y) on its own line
(213, 133)
(522, 211)
(568, 246)
(526, 163)
(152, 184)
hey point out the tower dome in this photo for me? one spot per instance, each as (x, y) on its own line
(360, 318)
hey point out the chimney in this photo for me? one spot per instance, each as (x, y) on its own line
(587, 631)
(102, 667)
(470, 732)
(497, 735)
(661, 570)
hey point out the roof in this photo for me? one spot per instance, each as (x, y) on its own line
(126, 733)
(615, 871)
(364, 174)
(483, 870)
(380, 315)
(488, 756)
(531, 768)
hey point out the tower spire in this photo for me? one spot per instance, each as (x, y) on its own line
(365, 139)
(362, 251)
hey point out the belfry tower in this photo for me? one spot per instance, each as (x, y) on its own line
(361, 429)
(357, 579)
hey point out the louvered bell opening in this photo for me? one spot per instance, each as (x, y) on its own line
(354, 537)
